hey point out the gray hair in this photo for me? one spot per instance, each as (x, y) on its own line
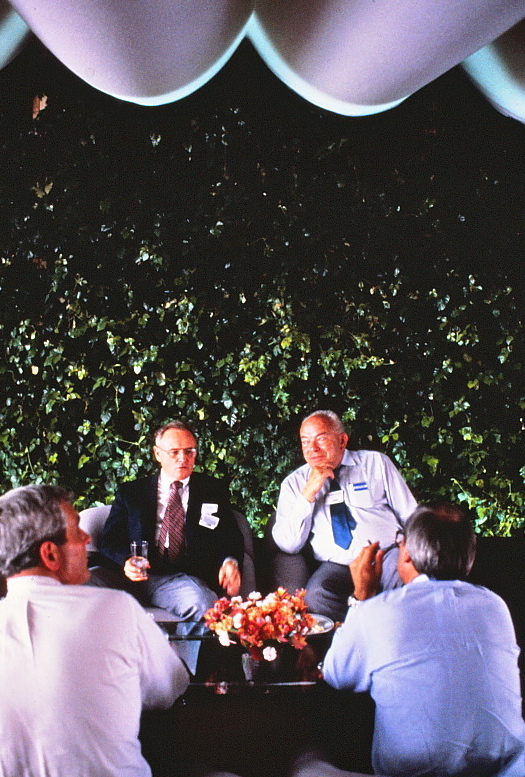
(178, 424)
(29, 516)
(330, 418)
(441, 541)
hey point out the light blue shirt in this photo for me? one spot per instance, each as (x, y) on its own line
(439, 659)
(378, 497)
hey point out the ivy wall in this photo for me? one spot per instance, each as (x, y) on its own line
(241, 258)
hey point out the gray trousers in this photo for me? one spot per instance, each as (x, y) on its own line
(328, 585)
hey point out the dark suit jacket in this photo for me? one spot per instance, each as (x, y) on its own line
(133, 516)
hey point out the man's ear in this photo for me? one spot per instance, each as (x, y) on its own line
(404, 555)
(49, 557)
(405, 567)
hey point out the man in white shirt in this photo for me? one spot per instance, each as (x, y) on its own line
(438, 656)
(362, 485)
(77, 664)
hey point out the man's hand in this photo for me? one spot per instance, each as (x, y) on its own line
(316, 481)
(136, 573)
(366, 571)
(230, 577)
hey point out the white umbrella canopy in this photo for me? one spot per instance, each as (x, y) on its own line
(498, 70)
(144, 52)
(353, 57)
(13, 33)
(358, 57)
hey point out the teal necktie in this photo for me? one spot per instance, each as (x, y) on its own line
(342, 521)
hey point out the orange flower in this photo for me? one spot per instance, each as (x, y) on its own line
(278, 617)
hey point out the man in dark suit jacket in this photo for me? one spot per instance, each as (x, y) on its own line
(133, 516)
(208, 562)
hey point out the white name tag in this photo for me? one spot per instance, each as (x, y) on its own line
(335, 497)
(207, 519)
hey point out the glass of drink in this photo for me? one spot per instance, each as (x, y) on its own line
(139, 552)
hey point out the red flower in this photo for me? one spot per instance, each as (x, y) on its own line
(280, 617)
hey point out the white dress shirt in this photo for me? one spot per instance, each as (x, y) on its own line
(77, 666)
(378, 497)
(439, 658)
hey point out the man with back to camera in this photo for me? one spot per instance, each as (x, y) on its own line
(330, 508)
(77, 664)
(438, 656)
(195, 545)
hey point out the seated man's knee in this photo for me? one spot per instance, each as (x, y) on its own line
(182, 595)
(320, 602)
(290, 570)
(197, 598)
(327, 591)
(315, 598)
(206, 600)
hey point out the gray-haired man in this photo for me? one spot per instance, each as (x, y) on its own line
(77, 664)
(438, 656)
(330, 508)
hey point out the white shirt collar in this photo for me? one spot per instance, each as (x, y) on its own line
(421, 578)
(27, 581)
(167, 481)
(348, 458)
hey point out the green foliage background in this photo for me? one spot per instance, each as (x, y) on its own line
(242, 258)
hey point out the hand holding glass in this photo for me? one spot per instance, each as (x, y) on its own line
(139, 555)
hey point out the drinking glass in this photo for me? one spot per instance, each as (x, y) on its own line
(139, 551)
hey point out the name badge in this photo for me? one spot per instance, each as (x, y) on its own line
(209, 520)
(335, 497)
(360, 486)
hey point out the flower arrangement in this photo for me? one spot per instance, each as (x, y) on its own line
(258, 621)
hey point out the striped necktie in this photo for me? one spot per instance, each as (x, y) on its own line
(172, 524)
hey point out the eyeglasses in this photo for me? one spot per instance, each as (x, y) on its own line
(400, 536)
(174, 453)
(319, 439)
